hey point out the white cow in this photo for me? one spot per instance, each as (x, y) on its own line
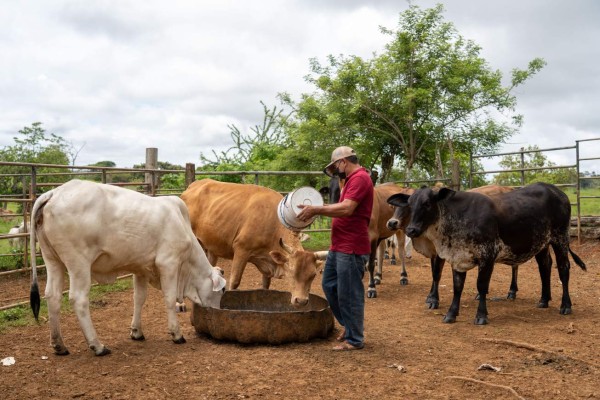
(16, 242)
(97, 231)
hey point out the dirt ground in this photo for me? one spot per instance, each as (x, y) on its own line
(540, 353)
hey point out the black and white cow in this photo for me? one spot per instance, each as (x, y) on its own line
(424, 246)
(470, 229)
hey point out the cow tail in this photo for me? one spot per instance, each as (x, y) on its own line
(34, 293)
(578, 260)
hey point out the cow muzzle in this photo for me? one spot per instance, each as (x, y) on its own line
(393, 224)
(412, 232)
(299, 301)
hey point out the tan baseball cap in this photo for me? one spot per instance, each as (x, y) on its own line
(336, 155)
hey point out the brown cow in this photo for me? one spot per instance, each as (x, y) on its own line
(424, 246)
(378, 231)
(239, 222)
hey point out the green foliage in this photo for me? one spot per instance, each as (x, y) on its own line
(12, 314)
(427, 99)
(33, 145)
(531, 157)
(260, 150)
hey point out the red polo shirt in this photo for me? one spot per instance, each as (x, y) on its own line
(350, 234)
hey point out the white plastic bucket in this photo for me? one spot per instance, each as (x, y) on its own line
(288, 209)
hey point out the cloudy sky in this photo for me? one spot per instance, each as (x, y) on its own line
(116, 77)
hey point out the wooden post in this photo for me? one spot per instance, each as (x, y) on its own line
(522, 166)
(455, 183)
(190, 174)
(151, 163)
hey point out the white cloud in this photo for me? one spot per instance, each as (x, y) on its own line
(120, 76)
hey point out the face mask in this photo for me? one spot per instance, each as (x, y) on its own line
(341, 175)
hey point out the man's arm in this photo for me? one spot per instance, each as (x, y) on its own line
(343, 209)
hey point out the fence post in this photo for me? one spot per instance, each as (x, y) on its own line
(455, 182)
(190, 174)
(151, 163)
(578, 193)
(522, 166)
(471, 170)
(28, 207)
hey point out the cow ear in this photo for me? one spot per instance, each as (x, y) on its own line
(398, 199)
(278, 257)
(320, 264)
(217, 279)
(445, 193)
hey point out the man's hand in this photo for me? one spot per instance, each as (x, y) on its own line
(307, 212)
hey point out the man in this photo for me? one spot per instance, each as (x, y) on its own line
(350, 247)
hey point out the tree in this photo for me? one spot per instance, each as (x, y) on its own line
(33, 145)
(531, 157)
(258, 150)
(429, 97)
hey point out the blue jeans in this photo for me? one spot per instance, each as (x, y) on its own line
(345, 292)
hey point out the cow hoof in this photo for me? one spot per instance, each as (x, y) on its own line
(404, 281)
(181, 340)
(105, 351)
(61, 351)
(140, 338)
(565, 310)
(433, 305)
(371, 293)
(393, 262)
(481, 320)
(511, 296)
(449, 319)
(386, 256)
(542, 304)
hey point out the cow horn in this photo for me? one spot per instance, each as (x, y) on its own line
(287, 248)
(321, 255)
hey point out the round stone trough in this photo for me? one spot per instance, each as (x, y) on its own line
(264, 316)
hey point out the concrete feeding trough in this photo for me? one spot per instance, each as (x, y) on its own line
(264, 316)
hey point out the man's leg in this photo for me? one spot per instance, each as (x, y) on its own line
(351, 296)
(330, 285)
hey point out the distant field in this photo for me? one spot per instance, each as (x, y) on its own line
(589, 207)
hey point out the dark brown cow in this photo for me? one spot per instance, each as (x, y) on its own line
(378, 232)
(239, 222)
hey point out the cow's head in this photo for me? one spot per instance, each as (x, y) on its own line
(422, 206)
(401, 216)
(301, 266)
(205, 290)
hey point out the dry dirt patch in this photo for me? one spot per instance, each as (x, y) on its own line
(540, 353)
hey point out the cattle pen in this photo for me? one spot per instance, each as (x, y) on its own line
(524, 353)
(21, 183)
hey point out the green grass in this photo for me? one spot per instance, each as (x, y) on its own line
(22, 315)
(589, 207)
(318, 241)
(6, 223)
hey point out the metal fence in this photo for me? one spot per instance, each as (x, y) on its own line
(33, 183)
(36, 178)
(522, 170)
